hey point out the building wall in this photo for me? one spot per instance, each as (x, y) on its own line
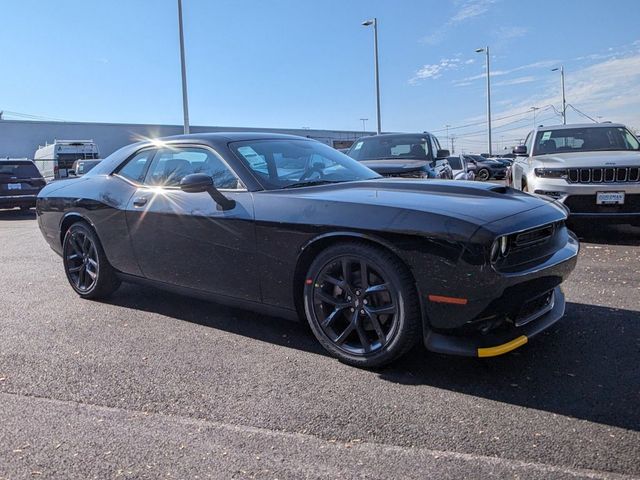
(20, 138)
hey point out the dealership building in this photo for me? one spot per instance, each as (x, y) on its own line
(21, 138)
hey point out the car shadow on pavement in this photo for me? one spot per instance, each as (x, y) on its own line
(606, 234)
(261, 327)
(586, 367)
(17, 214)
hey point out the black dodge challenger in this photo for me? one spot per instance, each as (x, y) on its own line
(290, 227)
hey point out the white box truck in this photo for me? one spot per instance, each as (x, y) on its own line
(55, 160)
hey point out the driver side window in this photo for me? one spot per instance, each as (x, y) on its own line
(171, 165)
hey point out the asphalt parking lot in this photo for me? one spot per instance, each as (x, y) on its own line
(153, 385)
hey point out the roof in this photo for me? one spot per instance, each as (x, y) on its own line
(234, 136)
(383, 135)
(580, 125)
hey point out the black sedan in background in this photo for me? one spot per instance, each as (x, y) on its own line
(289, 226)
(487, 168)
(20, 182)
(403, 155)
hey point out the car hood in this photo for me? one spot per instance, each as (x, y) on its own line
(590, 159)
(385, 167)
(478, 203)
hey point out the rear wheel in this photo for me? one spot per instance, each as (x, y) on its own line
(86, 265)
(361, 304)
(483, 175)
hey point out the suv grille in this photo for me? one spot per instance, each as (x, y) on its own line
(604, 175)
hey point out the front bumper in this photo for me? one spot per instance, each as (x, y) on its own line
(493, 344)
(580, 198)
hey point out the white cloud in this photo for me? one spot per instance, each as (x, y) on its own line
(606, 88)
(471, 9)
(466, 10)
(434, 70)
(498, 73)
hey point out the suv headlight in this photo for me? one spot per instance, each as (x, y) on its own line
(551, 172)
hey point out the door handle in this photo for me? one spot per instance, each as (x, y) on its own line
(139, 201)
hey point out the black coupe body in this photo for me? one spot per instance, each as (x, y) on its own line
(290, 227)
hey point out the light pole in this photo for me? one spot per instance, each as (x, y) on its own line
(564, 100)
(185, 101)
(364, 125)
(368, 23)
(486, 51)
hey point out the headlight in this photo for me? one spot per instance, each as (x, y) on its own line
(499, 248)
(551, 172)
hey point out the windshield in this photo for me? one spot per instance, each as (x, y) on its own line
(414, 147)
(19, 170)
(297, 163)
(586, 139)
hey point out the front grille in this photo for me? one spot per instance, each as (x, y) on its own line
(604, 175)
(587, 204)
(532, 237)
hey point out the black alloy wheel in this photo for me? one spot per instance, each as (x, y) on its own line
(85, 263)
(361, 305)
(483, 175)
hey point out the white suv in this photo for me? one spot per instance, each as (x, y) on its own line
(594, 169)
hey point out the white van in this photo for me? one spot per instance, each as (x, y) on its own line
(56, 160)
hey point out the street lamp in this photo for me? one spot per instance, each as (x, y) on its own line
(486, 51)
(564, 100)
(368, 23)
(185, 101)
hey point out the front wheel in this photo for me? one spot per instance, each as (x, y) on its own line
(361, 304)
(86, 265)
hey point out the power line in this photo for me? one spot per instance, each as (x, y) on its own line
(30, 116)
(483, 122)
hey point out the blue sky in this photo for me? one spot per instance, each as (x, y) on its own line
(284, 63)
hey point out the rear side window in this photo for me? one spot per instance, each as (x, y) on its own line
(171, 165)
(18, 170)
(136, 167)
(415, 147)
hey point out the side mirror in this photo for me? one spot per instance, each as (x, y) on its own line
(442, 153)
(520, 150)
(196, 183)
(200, 182)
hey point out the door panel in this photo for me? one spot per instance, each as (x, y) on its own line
(184, 239)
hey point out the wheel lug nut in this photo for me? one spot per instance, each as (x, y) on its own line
(362, 311)
(365, 301)
(352, 309)
(349, 298)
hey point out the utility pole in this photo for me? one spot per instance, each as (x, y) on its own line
(447, 127)
(534, 109)
(453, 150)
(364, 125)
(185, 101)
(564, 98)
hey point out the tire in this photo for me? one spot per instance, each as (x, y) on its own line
(86, 265)
(483, 175)
(365, 325)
